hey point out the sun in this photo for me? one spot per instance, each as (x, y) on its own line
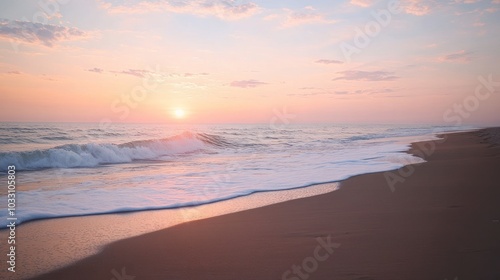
(179, 113)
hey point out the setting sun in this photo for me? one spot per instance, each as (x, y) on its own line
(294, 126)
(179, 113)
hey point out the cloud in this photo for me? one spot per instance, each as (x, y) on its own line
(96, 70)
(15, 72)
(141, 73)
(413, 7)
(188, 86)
(418, 7)
(466, 1)
(366, 76)
(37, 33)
(195, 74)
(307, 16)
(133, 72)
(222, 9)
(460, 56)
(247, 83)
(362, 3)
(320, 91)
(372, 91)
(328, 61)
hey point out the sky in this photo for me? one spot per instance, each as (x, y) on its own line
(256, 61)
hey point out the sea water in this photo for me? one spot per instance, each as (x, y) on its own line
(68, 169)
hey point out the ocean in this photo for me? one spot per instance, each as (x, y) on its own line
(68, 169)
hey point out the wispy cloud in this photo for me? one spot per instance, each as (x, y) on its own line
(96, 70)
(460, 56)
(362, 3)
(247, 83)
(308, 15)
(466, 1)
(366, 76)
(37, 33)
(418, 7)
(328, 61)
(195, 74)
(372, 91)
(222, 9)
(15, 72)
(313, 91)
(424, 7)
(413, 7)
(188, 86)
(141, 73)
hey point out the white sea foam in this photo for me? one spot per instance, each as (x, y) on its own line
(93, 154)
(141, 167)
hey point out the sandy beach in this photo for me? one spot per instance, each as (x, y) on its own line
(435, 220)
(250, 140)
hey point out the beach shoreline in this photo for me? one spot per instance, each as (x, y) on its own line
(45, 242)
(258, 243)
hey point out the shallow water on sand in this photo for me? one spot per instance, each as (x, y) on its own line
(81, 169)
(45, 245)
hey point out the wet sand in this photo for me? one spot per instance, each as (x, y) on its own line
(435, 220)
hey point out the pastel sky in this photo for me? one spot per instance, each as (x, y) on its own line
(232, 61)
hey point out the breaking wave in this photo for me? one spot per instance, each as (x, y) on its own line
(94, 154)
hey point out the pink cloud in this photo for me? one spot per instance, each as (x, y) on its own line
(362, 3)
(352, 75)
(96, 70)
(466, 1)
(37, 33)
(226, 10)
(307, 16)
(462, 56)
(418, 7)
(328, 61)
(247, 83)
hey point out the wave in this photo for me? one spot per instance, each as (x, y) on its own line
(367, 136)
(95, 154)
(56, 138)
(59, 211)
